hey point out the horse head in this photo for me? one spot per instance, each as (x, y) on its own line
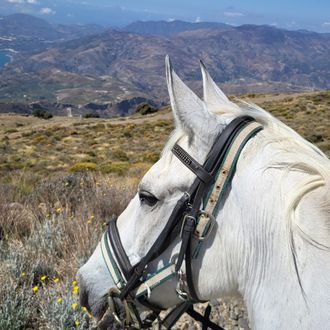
(240, 252)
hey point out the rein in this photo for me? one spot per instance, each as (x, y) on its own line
(192, 219)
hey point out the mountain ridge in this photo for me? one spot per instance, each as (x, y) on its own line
(116, 65)
(168, 28)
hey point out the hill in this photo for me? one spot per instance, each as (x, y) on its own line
(113, 66)
(29, 34)
(165, 28)
(62, 179)
(85, 67)
(55, 145)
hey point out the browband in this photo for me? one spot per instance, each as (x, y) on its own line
(192, 164)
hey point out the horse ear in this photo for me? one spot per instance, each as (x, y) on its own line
(189, 110)
(214, 97)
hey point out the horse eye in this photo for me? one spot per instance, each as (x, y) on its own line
(147, 198)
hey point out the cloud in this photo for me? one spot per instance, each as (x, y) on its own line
(16, 1)
(20, 2)
(47, 11)
(326, 24)
(233, 14)
(198, 19)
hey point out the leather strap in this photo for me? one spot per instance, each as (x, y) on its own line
(118, 249)
(192, 164)
(160, 244)
(175, 314)
(204, 319)
(212, 165)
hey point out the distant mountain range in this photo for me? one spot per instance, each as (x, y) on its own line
(26, 33)
(111, 66)
(164, 28)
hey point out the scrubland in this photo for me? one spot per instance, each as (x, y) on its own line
(61, 180)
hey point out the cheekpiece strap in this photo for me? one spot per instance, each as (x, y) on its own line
(215, 198)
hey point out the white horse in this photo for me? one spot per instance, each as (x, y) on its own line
(272, 239)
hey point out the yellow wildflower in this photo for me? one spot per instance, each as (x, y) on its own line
(76, 322)
(56, 280)
(74, 305)
(58, 210)
(89, 315)
(75, 290)
(89, 222)
(92, 216)
(23, 274)
(59, 300)
(35, 288)
(43, 277)
(74, 282)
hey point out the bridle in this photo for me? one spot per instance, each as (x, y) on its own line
(192, 219)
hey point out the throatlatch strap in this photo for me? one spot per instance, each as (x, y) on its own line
(228, 167)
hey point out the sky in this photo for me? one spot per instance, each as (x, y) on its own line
(289, 14)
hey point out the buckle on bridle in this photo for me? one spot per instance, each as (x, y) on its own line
(128, 320)
(184, 221)
(112, 305)
(201, 236)
(180, 287)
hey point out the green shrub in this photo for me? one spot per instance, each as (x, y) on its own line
(41, 113)
(120, 155)
(145, 108)
(84, 166)
(115, 167)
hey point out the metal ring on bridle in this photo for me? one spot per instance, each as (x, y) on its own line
(113, 310)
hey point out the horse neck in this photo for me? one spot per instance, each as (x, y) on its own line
(283, 279)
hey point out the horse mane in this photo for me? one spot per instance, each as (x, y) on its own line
(294, 153)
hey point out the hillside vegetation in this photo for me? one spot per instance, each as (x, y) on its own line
(62, 179)
(106, 67)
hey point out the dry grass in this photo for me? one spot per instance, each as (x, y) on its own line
(48, 236)
(62, 180)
